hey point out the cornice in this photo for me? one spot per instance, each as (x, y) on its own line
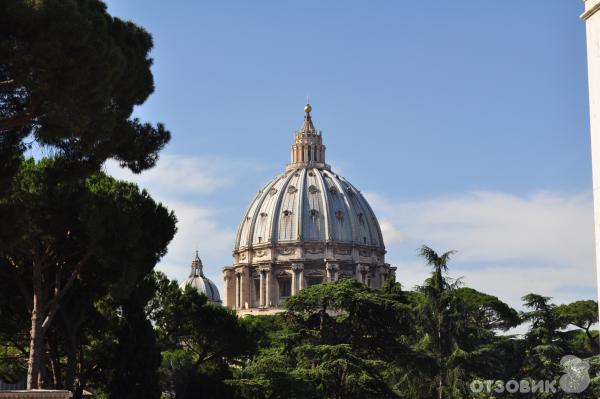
(588, 13)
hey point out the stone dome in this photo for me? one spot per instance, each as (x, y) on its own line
(200, 282)
(309, 204)
(306, 226)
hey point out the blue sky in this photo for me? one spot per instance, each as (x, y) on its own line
(464, 123)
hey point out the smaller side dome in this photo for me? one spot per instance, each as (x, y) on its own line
(201, 283)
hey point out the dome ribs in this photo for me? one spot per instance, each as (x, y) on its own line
(299, 207)
(342, 201)
(315, 227)
(261, 199)
(276, 216)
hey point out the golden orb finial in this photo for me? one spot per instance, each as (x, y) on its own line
(307, 108)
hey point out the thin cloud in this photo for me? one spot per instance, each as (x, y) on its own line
(508, 245)
(197, 228)
(182, 184)
(177, 174)
(391, 233)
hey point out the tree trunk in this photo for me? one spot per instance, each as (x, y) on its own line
(36, 345)
(71, 368)
(441, 371)
(440, 352)
(593, 342)
(81, 379)
(43, 313)
(54, 362)
(71, 351)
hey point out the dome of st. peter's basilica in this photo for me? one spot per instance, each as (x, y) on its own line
(306, 226)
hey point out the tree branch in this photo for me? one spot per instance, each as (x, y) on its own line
(53, 305)
(15, 122)
(7, 85)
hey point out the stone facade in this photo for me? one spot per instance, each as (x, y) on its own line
(307, 226)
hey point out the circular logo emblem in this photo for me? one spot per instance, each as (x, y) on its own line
(576, 377)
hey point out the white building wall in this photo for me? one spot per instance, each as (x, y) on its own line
(592, 22)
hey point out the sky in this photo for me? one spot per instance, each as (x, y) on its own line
(465, 124)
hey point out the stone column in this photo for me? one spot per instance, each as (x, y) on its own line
(301, 278)
(226, 280)
(384, 274)
(268, 298)
(245, 291)
(591, 16)
(361, 272)
(238, 287)
(375, 273)
(359, 275)
(229, 286)
(261, 293)
(332, 271)
(241, 285)
(265, 286)
(297, 269)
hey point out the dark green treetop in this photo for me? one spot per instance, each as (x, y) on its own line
(70, 77)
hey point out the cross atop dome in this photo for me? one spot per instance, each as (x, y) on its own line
(307, 127)
(308, 148)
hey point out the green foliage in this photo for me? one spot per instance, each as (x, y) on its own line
(200, 341)
(124, 331)
(323, 348)
(339, 340)
(344, 340)
(487, 310)
(547, 341)
(70, 76)
(73, 231)
(543, 344)
(76, 245)
(456, 331)
(14, 330)
(137, 357)
(583, 315)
